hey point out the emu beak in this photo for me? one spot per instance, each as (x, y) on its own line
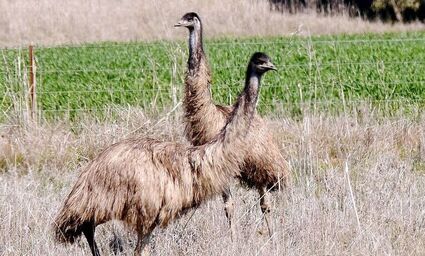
(272, 67)
(269, 66)
(179, 24)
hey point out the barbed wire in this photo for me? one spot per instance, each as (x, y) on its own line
(117, 107)
(232, 87)
(284, 40)
(108, 91)
(151, 69)
(316, 64)
(235, 85)
(343, 41)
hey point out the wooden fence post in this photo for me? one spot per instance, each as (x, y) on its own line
(32, 85)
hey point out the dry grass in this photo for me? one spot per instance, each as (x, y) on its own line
(74, 21)
(386, 168)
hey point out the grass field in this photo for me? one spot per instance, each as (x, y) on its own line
(320, 71)
(375, 206)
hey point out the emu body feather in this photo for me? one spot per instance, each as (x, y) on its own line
(147, 183)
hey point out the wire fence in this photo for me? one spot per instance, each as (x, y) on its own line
(286, 66)
(414, 39)
(133, 74)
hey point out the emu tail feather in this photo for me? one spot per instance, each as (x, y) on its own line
(68, 226)
(74, 214)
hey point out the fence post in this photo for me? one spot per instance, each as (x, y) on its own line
(32, 85)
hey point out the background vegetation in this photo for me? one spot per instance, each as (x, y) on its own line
(79, 21)
(386, 10)
(320, 71)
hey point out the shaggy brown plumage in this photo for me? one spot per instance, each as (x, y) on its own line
(146, 183)
(204, 120)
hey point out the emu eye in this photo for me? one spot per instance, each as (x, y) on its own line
(259, 62)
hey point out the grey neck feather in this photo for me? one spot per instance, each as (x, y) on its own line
(252, 89)
(252, 86)
(195, 47)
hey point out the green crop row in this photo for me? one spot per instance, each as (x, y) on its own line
(312, 70)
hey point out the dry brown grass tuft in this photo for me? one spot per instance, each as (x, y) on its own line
(386, 171)
(61, 145)
(75, 21)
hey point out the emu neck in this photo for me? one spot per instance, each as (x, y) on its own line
(196, 51)
(252, 87)
(219, 161)
(198, 104)
(244, 110)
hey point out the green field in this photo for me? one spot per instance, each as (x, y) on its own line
(320, 71)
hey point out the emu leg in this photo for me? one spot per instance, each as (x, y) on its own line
(229, 210)
(116, 243)
(265, 203)
(88, 231)
(143, 239)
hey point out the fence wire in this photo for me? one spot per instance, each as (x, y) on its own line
(229, 43)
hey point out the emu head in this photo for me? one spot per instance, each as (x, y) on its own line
(261, 63)
(190, 20)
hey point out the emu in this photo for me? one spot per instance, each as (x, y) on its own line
(147, 183)
(204, 120)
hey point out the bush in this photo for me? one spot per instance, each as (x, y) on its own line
(386, 10)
